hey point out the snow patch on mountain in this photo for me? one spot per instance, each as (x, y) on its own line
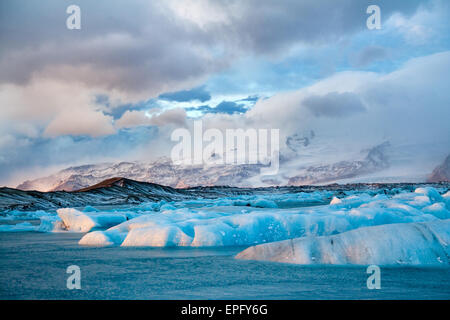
(374, 161)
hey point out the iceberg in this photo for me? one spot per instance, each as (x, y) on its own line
(51, 223)
(241, 220)
(69, 219)
(422, 243)
(191, 224)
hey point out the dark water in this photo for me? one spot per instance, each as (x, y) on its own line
(33, 266)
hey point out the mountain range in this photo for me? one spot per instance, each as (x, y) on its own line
(164, 172)
(120, 191)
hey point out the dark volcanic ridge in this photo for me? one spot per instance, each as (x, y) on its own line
(123, 191)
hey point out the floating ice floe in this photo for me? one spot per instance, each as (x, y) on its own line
(248, 220)
(423, 243)
(73, 220)
(237, 225)
(269, 200)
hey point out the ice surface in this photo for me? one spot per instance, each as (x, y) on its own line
(413, 225)
(19, 227)
(425, 243)
(51, 223)
(69, 219)
(203, 223)
(336, 200)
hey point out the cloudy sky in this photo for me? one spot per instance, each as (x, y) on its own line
(136, 70)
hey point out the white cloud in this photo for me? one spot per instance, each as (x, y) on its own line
(204, 13)
(80, 122)
(53, 107)
(408, 107)
(424, 26)
(134, 118)
(50, 79)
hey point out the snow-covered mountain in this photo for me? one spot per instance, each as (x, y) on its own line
(441, 172)
(354, 168)
(375, 160)
(120, 191)
(162, 171)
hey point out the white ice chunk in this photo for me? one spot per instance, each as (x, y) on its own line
(51, 224)
(167, 236)
(96, 238)
(430, 192)
(424, 243)
(233, 226)
(77, 221)
(438, 210)
(248, 219)
(335, 200)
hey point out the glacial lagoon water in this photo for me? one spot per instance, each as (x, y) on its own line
(33, 266)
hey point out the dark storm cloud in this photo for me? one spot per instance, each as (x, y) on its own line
(270, 26)
(143, 46)
(334, 105)
(136, 50)
(130, 46)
